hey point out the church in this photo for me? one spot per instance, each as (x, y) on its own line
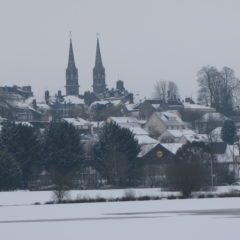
(74, 104)
(100, 90)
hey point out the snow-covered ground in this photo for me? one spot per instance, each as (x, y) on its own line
(196, 219)
(31, 197)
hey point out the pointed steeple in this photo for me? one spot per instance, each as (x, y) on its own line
(99, 85)
(71, 61)
(98, 60)
(72, 86)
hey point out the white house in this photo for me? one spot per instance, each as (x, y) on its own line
(159, 122)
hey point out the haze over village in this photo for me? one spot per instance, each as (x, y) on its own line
(119, 112)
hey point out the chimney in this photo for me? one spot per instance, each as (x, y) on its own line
(47, 97)
(130, 98)
(34, 103)
(59, 94)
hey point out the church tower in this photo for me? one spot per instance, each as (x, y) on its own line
(99, 85)
(72, 87)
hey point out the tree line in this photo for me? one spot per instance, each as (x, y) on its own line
(217, 88)
(26, 153)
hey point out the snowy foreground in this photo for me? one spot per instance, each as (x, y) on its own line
(161, 219)
(217, 218)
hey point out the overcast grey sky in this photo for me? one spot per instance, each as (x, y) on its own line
(141, 41)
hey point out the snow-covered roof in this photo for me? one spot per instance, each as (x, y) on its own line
(180, 133)
(73, 99)
(116, 102)
(40, 103)
(131, 107)
(231, 152)
(138, 98)
(215, 116)
(2, 119)
(215, 135)
(39, 99)
(77, 121)
(145, 139)
(146, 149)
(20, 104)
(188, 105)
(99, 103)
(43, 106)
(125, 121)
(138, 131)
(156, 106)
(172, 147)
(106, 102)
(24, 123)
(197, 137)
(97, 124)
(170, 118)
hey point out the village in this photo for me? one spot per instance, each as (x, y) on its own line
(119, 119)
(160, 124)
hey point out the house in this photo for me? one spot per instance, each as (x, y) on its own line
(23, 91)
(69, 106)
(195, 137)
(236, 120)
(191, 111)
(127, 122)
(227, 167)
(40, 106)
(131, 109)
(152, 158)
(210, 121)
(149, 106)
(172, 147)
(13, 105)
(215, 135)
(80, 124)
(159, 122)
(21, 111)
(101, 110)
(182, 136)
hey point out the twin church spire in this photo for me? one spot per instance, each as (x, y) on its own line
(72, 86)
(99, 85)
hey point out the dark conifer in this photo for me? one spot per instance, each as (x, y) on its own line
(116, 153)
(10, 172)
(228, 132)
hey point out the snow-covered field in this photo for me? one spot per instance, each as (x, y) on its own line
(196, 219)
(162, 219)
(31, 197)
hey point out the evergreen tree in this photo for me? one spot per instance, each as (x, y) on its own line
(22, 142)
(116, 153)
(62, 152)
(10, 172)
(228, 132)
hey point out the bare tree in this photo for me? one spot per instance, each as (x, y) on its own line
(173, 92)
(208, 80)
(166, 90)
(160, 90)
(230, 88)
(219, 89)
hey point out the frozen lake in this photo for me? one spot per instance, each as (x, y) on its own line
(162, 219)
